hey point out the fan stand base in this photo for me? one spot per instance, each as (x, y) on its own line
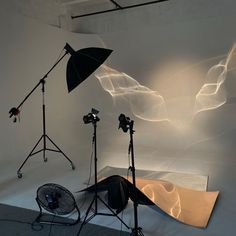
(53, 222)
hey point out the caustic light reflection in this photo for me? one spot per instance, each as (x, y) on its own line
(212, 94)
(167, 195)
(186, 205)
(148, 104)
(145, 103)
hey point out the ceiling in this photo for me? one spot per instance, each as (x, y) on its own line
(60, 13)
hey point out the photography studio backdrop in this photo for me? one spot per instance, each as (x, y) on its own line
(151, 45)
(29, 49)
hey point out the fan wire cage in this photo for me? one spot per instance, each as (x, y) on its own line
(58, 201)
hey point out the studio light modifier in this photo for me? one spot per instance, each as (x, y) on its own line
(91, 117)
(124, 122)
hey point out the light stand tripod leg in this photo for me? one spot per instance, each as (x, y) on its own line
(59, 150)
(86, 216)
(44, 148)
(86, 219)
(114, 213)
(44, 135)
(137, 232)
(19, 174)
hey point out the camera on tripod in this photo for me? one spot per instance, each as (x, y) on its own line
(91, 117)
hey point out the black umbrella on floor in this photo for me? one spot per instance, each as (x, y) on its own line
(119, 191)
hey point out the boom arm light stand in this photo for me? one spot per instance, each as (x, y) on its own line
(81, 65)
(126, 124)
(15, 110)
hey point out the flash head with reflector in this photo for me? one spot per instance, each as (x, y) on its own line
(91, 117)
(124, 122)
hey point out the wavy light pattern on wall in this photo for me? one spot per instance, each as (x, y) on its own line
(145, 103)
(212, 94)
(150, 105)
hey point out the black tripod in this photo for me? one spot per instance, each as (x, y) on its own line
(96, 197)
(127, 124)
(44, 138)
(15, 111)
(81, 65)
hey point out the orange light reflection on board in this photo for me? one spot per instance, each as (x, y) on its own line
(186, 205)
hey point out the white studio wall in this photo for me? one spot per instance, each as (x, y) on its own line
(167, 48)
(171, 48)
(171, 53)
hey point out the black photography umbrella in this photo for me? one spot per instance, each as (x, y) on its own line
(83, 63)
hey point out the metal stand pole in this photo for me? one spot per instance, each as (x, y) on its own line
(136, 231)
(96, 197)
(44, 137)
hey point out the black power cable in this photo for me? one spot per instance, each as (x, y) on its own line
(33, 224)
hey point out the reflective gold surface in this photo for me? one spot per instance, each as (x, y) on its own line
(188, 206)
